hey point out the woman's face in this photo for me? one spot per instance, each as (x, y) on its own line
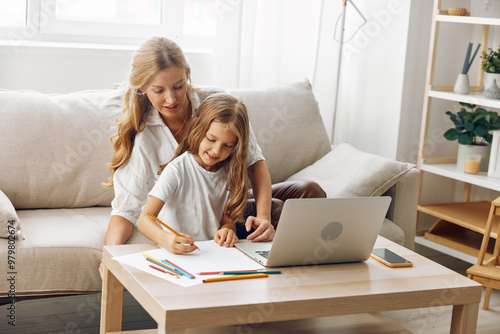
(167, 93)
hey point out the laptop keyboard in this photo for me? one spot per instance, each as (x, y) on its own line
(263, 253)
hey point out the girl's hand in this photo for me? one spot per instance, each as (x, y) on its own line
(178, 245)
(227, 235)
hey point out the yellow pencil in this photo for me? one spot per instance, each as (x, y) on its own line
(235, 277)
(168, 227)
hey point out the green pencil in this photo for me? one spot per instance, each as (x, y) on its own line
(246, 272)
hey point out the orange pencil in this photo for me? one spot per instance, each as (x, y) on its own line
(168, 227)
(235, 277)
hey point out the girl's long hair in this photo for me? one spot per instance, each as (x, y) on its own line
(152, 57)
(225, 109)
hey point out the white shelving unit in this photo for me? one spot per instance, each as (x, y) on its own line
(460, 226)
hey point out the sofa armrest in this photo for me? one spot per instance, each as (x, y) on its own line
(403, 208)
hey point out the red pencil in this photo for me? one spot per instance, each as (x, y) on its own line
(220, 272)
(164, 271)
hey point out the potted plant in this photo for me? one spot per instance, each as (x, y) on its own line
(490, 64)
(472, 129)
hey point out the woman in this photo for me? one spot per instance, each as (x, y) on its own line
(158, 107)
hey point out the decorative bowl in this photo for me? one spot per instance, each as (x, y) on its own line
(457, 11)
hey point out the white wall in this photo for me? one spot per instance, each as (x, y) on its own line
(69, 69)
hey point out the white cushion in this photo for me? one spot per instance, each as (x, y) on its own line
(55, 147)
(349, 172)
(288, 126)
(9, 221)
(62, 251)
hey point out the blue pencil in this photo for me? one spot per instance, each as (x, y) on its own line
(182, 271)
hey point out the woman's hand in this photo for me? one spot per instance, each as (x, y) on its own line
(226, 235)
(264, 231)
(178, 245)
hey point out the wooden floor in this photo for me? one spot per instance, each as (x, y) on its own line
(80, 314)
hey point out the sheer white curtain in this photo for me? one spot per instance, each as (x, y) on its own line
(266, 42)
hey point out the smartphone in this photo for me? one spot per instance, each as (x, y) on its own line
(389, 258)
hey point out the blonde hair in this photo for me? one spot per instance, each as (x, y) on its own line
(152, 57)
(225, 109)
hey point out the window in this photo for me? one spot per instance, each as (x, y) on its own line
(12, 13)
(111, 11)
(191, 23)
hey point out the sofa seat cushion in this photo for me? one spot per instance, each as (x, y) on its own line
(392, 232)
(348, 172)
(61, 253)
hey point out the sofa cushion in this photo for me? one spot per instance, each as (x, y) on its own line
(287, 114)
(9, 221)
(55, 147)
(61, 253)
(349, 172)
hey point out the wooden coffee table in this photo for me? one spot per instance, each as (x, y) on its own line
(354, 289)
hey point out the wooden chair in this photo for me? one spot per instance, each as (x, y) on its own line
(486, 272)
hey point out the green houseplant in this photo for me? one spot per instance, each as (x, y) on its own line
(490, 64)
(472, 130)
(472, 125)
(491, 61)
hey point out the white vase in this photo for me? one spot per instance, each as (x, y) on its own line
(462, 84)
(488, 79)
(465, 150)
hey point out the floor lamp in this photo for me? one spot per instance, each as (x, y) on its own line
(339, 62)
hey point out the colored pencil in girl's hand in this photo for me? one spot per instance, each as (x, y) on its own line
(168, 227)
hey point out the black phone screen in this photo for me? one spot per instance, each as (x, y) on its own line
(389, 256)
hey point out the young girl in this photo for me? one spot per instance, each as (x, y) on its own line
(202, 191)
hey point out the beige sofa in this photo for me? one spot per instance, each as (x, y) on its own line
(55, 147)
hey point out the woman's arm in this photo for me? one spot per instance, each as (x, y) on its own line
(119, 230)
(261, 186)
(151, 230)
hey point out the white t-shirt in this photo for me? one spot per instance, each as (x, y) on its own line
(153, 147)
(194, 198)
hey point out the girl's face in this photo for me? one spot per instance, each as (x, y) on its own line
(167, 93)
(216, 146)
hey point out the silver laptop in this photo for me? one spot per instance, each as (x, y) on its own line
(322, 231)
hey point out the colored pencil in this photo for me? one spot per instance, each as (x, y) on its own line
(173, 271)
(235, 277)
(168, 227)
(163, 265)
(164, 271)
(220, 272)
(246, 272)
(185, 273)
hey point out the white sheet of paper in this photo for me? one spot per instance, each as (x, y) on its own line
(209, 257)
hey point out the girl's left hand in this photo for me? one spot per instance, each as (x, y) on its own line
(226, 235)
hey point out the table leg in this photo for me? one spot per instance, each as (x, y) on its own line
(112, 303)
(464, 318)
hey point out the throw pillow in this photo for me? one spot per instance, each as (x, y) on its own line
(288, 126)
(55, 147)
(348, 172)
(9, 221)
